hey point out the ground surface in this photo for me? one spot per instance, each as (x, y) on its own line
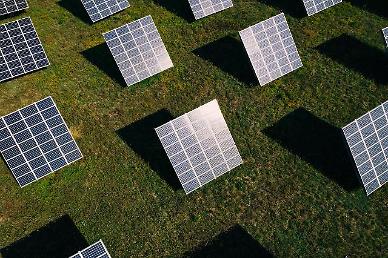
(295, 194)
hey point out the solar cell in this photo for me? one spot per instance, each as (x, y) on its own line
(367, 138)
(96, 250)
(20, 48)
(138, 50)
(271, 49)
(315, 6)
(11, 6)
(200, 146)
(385, 33)
(35, 141)
(203, 8)
(100, 9)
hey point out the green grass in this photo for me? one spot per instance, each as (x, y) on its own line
(286, 203)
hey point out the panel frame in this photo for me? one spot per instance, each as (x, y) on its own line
(4, 125)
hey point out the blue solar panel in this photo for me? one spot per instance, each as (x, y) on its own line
(35, 141)
(11, 6)
(96, 250)
(100, 9)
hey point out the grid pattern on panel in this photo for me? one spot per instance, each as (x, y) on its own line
(203, 8)
(315, 6)
(20, 48)
(367, 138)
(271, 49)
(11, 6)
(100, 9)
(96, 250)
(35, 141)
(200, 146)
(138, 50)
(385, 33)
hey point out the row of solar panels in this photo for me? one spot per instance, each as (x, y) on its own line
(100, 9)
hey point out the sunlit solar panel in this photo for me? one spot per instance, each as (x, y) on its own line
(315, 6)
(96, 250)
(11, 6)
(100, 9)
(203, 8)
(385, 33)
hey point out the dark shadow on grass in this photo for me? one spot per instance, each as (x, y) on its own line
(235, 242)
(293, 8)
(369, 61)
(12, 15)
(142, 138)
(58, 239)
(229, 55)
(378, 7)
(101, 57)
(318, 143)
(76, 8)
(181, 8)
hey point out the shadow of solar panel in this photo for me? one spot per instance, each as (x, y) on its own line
(367, 138)
(138, 50)
(100, 9)
(203, 8)
(271, 49)
(21, 50)
(316, 6)
(199, 146)
(35, 141)
(12, 6)
(385, 34)
(96, 250)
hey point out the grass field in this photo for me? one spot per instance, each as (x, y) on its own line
(296, 194)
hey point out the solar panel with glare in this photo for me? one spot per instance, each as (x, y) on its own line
(96, 250)
(11, 6)
(385, 33)
(35, 141)
(315, 6)
(100, 9)
(203, 8)
(138, 50)
(367, 138)
(200, 146)
(271, 49)
(20, 48)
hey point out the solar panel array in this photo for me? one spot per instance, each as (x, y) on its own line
(271, 49)
(315, 6)
(367, 138)
(138, 50)
(385, 33)
(200, 146)
(203, 8)
(100, 9)
(11, 6)
(35, 141)
(20, 48)
(96, 250)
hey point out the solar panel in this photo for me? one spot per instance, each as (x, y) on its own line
(100, 9)
(96, 250)
(11, 6)
(315, 6)
(203, 8)
(367, 138)
(20, 48)
(385, 33)
(138, 50)
(271, 49)
(35, 141)
(200, 146)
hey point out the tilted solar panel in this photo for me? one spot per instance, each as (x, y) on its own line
(35, 141)
(200, 146)
(100, 9)
(96, 250)
(271, 49)
(385, 33)
(11, 6)
(203, 8)
(367, 138)
(138, 50)
(315, 6)
(20, 48)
